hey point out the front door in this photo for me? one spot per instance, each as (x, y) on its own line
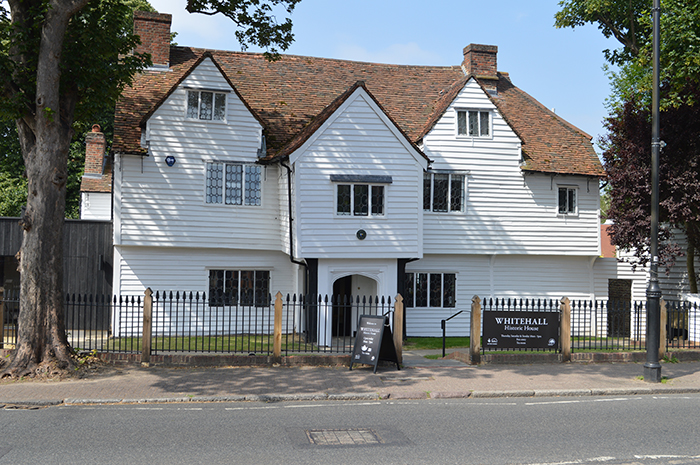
(342, 307)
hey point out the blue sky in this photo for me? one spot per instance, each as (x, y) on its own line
(562, 68)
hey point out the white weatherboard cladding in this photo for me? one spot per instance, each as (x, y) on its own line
(165, 205)
(507, 210)
(358, 142)
(498, 276)
(187, 269)
(95, 206)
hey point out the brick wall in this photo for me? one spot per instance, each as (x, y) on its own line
(154, 31)
(480, 60)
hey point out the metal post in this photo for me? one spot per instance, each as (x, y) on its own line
(652, 367)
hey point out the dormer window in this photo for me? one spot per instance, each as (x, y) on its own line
(205, 105)
(473, 123)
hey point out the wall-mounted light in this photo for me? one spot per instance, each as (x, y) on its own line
(170, 160)
(361, 234)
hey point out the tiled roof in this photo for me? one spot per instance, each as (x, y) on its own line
(288, 95)
(101, 184)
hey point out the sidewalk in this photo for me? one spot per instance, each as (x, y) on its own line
(421, 378)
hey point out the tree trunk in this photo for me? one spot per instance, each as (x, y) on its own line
(45, 134)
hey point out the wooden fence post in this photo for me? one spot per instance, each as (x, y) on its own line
(147, 325)
(565, 329)
(277, 344)
(663, 329)
(398, 327)
(2, 317)
(475, 332)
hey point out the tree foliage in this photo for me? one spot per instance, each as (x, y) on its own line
(63, 61)
(256, 21)
(630, 23)
(627, 159)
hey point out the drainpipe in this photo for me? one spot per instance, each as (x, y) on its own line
(291, 229)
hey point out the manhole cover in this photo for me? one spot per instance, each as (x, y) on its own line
(343, 437)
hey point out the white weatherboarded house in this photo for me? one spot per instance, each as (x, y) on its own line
(241, 177)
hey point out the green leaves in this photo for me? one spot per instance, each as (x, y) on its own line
(256, 20)
(630, 23)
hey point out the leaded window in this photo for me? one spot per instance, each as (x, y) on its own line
(567, 201)
(434, 290)
(443, 192)
(206, 105)
(473, 123)
(359, 200)
(233, 184)
(239, 287)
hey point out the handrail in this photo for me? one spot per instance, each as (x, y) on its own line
(442, 325)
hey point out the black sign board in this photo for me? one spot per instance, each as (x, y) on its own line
(521, 330)
(374, 342)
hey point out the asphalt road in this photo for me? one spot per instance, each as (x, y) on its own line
(613, 430)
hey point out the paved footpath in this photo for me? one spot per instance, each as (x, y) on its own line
(421, 378)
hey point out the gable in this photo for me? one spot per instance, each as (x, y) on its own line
(357, 121)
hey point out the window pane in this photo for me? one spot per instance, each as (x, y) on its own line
(215, 183)
(408, 297)
(247, 284)
(421, 289)
(562, 200)
(484, 123)
(192, 104)
(219, 106)
(361, 199)
(377, 200)
(216, 288)
(262, 288)
(449, 291)
(343, 199)
(473, 123)
(426, 190)
(440, 186)
(572, 201)
(231, 287)
(234, 184)
(456, 193)
(253, 177)
(205, 105)
(436, 290)
(462, 123)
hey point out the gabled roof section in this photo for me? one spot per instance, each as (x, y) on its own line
(549, 143)
(318, 121)
(292, 97)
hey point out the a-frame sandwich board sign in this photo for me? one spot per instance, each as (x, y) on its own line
(374, 342)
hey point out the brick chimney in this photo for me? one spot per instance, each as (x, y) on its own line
(154, 31)
(94, 153)
(480, 61)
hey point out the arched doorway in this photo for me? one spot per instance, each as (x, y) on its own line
(346, 291)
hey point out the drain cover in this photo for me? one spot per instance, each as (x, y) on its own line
(343, 437)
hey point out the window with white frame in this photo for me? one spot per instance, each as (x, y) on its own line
(234, 184)
(473, 123)
(443, 192)
(206, 105)
(567, 200)
(435, 290)
(359, 200)
(239, 287)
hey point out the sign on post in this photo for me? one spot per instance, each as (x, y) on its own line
(374, 342)
(521, 330)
